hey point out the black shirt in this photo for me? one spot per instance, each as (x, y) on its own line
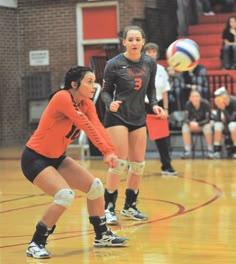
(129, 82)
(200, 115)
(229, 112)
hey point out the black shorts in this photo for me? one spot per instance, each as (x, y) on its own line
(111, 120)
(33, 163)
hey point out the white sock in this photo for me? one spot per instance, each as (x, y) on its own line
(187, 148)
(210, 148)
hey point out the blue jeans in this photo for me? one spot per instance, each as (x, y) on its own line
(229, 56)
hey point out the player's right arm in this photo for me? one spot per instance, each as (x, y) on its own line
(63, 104)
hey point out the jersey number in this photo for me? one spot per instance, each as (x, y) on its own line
(138, 83)
(74, 133)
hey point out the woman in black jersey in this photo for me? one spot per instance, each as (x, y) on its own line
(128, 77)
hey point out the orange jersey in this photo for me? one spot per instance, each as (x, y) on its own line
(61, 123)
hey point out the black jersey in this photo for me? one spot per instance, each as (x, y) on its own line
(129, 82)
(200, 115)
(229, 112)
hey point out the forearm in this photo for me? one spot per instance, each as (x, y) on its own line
(165, 100)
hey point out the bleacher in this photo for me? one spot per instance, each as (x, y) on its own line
(207, 34)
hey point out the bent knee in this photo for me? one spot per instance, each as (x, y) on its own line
(120, 168)
(64, 197)
(207, 129)
(218, 126)
(232, 126)
(137, 168)
(96, 190)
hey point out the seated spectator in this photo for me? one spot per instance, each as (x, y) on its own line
(225, 120)
(197, 119)
(229, 44)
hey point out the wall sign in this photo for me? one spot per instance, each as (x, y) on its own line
(39, 57)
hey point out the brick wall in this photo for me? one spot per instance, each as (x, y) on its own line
(10, 91)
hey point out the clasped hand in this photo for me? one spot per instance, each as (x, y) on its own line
(111, 160)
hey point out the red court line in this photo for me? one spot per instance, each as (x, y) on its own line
(181, 211)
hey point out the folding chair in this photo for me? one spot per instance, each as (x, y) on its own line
(197, 137)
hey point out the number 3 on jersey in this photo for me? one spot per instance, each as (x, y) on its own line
(138, 83)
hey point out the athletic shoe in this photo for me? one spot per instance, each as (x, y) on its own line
(133, 213)
(109, 239)
(234, 156)
(169, 171)
(37, 251)
(210, 13)
(187, 155)
(111, 218)
(217, 155)
(210, 154)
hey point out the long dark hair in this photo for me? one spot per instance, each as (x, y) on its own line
(74, 74)
(227, 26)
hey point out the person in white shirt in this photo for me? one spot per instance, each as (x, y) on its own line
(162, 88)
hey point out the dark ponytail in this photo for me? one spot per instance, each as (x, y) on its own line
(74, 74)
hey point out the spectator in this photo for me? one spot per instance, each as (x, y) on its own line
(195, 79)
(225, 6)
(207, 8)
(183, 83)
(197, 119)
(229, 44)
(225, 120)
(162, 88)
(175, 80)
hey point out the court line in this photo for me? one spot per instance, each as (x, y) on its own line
(181, 211)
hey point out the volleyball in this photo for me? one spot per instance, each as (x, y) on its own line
(183, 54)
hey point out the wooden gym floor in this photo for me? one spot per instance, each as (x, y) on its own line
(192, 217)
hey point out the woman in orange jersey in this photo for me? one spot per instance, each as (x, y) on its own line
(45, 164)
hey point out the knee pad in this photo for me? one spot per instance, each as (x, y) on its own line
(120, 168)
(137, 167)
(232, 126)
(185, 128)
(218, 126)
(96, 190)
(64, 197)
(207, 129)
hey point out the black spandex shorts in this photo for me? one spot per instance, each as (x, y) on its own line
(111, 120)
(33, 163)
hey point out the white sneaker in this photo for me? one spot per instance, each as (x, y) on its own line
(109, 239)
(169, 172)
(210, 154)
(187, 155)
(210, 13)
(134, 213)
(217, 155)
(111, 218)
(37, 251)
